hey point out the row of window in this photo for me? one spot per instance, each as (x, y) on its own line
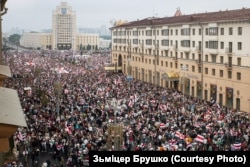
(206, 70)
(184, 32)
(184, 43)
(221, 73)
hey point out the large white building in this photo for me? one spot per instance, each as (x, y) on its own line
(64, 27)
(204, 55)
(64, 35)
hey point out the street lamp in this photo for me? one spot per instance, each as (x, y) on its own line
(202, 53)
(129, 77)
(183, 68)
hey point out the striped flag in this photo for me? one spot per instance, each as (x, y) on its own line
(200, 138)
(20, 136)
(236, 146)
(179, 135)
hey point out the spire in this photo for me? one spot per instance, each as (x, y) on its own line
(178, 12)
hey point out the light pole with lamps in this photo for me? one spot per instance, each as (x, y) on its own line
(202, 53)
(183, 68)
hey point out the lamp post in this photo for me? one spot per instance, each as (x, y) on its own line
(129, 77)
(183, 68)
(202, 52)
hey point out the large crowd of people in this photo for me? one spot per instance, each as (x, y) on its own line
(68, 106)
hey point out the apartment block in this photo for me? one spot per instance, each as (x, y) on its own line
(204, 55)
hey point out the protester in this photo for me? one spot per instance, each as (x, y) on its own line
(68, 108)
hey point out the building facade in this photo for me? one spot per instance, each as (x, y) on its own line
(31, 40)
(63, 36)
(64, 27)
(85, 41)
(203, 55)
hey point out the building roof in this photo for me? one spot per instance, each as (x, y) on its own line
(11, 112)
(5, 70)
(227, 15)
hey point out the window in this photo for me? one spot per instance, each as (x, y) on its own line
(185, 31)
(213, 72)
(165, 42)
(135, 41)
(221, 73)
(238, 76)
(206, 57)
(171, 65)
(239, 30)
(206, 44)
(164, 32)
(187, 55)
(239, 61)
(176, 32)
(185, 43)
(200, 31)
(221, 59)
(193, 31)
(213, 57)
(166, 64)
(181, 55)
(221, 31)
(222, 45)
(230, 31)
(213, 44)
(206, 70)
(148, 32)
(213, 31)
(239, 45)
(206, 31)
(193, 68)
(193, 44)
(171, 32)
(148, 41)
(135, 33)
(193, 56)
(199, 69)
(229, 74)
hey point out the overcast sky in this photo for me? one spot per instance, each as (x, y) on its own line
(37, 14)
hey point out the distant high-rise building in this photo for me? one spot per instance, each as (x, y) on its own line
(63, 35)
(64, 27)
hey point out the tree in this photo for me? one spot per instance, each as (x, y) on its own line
(15, 39)
(107, 37)
(88, 47)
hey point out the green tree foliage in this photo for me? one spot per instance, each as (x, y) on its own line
(88, 47)
(108, 37)
(15, 39)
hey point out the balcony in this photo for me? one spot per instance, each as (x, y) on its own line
(175, 59)
(198, 49)
(175, 47)
(228, 66)
(198, 61)
(229, 51)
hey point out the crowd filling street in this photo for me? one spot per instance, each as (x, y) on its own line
(67, 103)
